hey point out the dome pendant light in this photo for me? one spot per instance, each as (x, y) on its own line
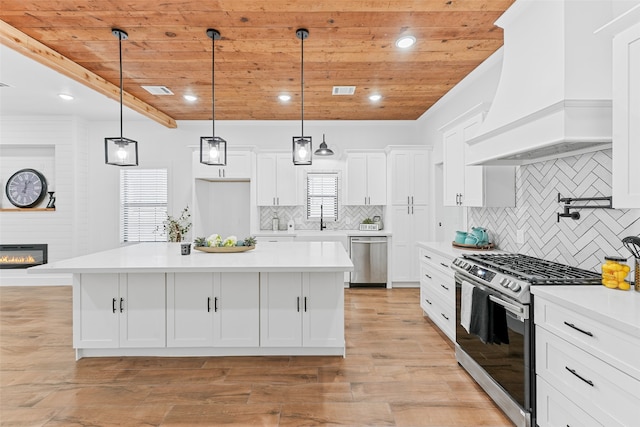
(120, 151)
(302, 144)
(213, 149)
(323, 150)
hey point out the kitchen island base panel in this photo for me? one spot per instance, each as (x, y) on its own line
(210, 352)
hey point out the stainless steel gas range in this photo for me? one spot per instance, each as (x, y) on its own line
(494, 324)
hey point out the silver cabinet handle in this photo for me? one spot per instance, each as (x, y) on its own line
(208, 304)
(121, 305)
(298, 304)
(427, 275)
(411, 199)
(443, 315)
(443, 286)
(408, 202)
(428, 302)
(305, 304)
(444, 265)
(113, 305)
(215, 304)
(408, 209)
(427, 257)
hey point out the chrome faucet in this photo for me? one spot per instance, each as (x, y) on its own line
(322, 224)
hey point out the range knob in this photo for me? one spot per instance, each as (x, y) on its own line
(514, 287)
(504, 282)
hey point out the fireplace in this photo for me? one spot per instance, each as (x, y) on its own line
(22, 256)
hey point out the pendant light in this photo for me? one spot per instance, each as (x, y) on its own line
(213, 149)
(120, 151)
(302, 144)
(323, 150)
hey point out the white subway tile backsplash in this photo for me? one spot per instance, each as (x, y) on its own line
(582, 243)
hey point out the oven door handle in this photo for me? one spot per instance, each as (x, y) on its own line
(522, 312)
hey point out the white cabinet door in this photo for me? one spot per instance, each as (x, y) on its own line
(473, 184)
(366, 179)
(280, 309)
(96, 311)
(238, 166)
(356, 179)
(286, 181)
(190, 305)
(410, 225)
(143, 317)
(276, 181)
(236, 310)
(453, 166)
(626, 119)
(409, 177)
(376, 179)
(323, 302)
(266, 179)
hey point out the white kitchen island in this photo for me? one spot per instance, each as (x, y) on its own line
(283, 298)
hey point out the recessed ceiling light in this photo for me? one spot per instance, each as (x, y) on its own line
(375, 97)
(65, 96)
(405, 42)
(284, 97)
(190, 98)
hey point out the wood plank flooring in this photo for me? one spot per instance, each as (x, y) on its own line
(399, 371)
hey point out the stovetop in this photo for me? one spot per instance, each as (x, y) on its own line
(513, 274)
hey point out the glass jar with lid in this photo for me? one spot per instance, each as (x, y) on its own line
(614, 271)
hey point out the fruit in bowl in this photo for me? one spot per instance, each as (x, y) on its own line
(216, 241)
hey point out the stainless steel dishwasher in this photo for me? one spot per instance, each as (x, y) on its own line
(369, 257)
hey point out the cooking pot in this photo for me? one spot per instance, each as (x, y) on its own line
(481, 235)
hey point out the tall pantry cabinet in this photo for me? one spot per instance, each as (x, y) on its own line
(408, 211)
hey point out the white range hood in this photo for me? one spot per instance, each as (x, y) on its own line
(554, 94)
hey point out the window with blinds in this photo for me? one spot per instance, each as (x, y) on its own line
(143, 205)
(322, 191)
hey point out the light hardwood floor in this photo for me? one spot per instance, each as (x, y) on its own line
(399, 371)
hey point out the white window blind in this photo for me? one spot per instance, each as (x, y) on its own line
(143, 204)
(322, 190)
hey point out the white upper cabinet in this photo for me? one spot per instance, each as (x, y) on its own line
(238, 166)
(409, 177)
(276, 180)
(478, 186)
(366, 178)
(626, 118)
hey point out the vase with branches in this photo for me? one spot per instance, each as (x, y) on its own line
(177, 228)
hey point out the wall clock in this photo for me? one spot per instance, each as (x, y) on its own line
(26, 188)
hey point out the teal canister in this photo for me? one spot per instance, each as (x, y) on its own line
(460, 237)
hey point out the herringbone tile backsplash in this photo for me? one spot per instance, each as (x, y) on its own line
(353, 215)
(581, 243)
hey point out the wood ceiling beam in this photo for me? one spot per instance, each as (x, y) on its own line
(32, 48)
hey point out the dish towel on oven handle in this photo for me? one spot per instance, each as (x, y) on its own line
(465, 305)
(488, 320)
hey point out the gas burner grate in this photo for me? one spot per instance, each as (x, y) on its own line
(536, 271)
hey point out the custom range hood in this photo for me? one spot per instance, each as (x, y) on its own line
(554, 94)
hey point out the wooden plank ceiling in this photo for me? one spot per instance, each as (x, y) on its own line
(351, 43)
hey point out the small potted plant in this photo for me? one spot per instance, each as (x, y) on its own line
(177, 228)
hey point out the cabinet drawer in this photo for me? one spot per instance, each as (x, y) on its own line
(440, 312)
(440, 283)
(604, 342)
(554, 409)
(437, 260)
(610, 395)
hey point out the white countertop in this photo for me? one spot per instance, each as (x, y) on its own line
(318, 233)
(446, 249)
(613, 307)
(166, 258)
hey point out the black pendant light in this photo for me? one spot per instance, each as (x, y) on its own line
(120, 151)
(213, 149)
(302, 144)
(323, 150)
